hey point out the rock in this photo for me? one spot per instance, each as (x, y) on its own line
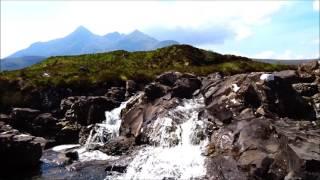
(257, 148)
(131, 88)
(306, 89)
(69, 134)
(118, 146)
(72, 155)
(19, 152)
(168, 78)
(87, 110)
(309, 71)
(22, 116)
(223, 167)
(268, 98)
(155, 90)
(185, 86)
(308, 67)
(5, 118)
(143, 113)
(288, 75)
(84, 134)
(116, 93)
(44, 125)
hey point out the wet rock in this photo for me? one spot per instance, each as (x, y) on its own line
(69, 134)
(288, 75)
(131, 88)
(258, 148)
(44, 125)
(19, 152)
(142, 114)
(226, 99)
(72, 155)
(79, 171)
(185, 86)
(22, 116)
(116, 93)
(306, 89)
(5, 118)
(155, 90)
(118, 146)
(84, 134)
(168, 78)
(87, 110)
(223, 167)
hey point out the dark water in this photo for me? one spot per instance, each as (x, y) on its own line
(52, 167)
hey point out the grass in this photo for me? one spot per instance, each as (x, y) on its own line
(122, 65)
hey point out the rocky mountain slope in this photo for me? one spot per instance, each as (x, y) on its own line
(251, 125)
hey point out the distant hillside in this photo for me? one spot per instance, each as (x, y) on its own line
(19, 62)
(285, 62)
(142, 65)
(82, 41)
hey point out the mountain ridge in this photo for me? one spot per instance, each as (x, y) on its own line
(83, 41)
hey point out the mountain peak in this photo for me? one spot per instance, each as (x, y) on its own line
(136, 32)
(82, 31)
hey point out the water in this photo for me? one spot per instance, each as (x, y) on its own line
(178, 154)
(108, 129)
(177, 142)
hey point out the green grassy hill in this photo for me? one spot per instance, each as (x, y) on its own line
(123, 65)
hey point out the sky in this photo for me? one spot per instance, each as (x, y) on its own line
(259, 29)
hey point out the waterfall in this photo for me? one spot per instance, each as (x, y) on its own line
(109, 128)
(179, 153)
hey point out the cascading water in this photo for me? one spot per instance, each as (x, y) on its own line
(108, 129)
(103, 132)
(178, 154)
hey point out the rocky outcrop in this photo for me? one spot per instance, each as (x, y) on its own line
(118, 146)
(116, 93)
(87, 110)
(159, 96)
(260, 125)
(18, 152)
(21, 117)
(228, 98)
(264, 125)
(257, 148)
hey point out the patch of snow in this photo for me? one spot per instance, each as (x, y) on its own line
(267, 77)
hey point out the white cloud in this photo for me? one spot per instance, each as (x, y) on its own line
(265, 55)
(316, 5)
(42, 21)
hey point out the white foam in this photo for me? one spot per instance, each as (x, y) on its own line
(64, 147)
(85, 155)
(235, 87)
(182, 161)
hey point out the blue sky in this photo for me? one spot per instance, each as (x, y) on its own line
(261, 29)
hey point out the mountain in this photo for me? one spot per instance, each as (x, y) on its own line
(82, 41)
